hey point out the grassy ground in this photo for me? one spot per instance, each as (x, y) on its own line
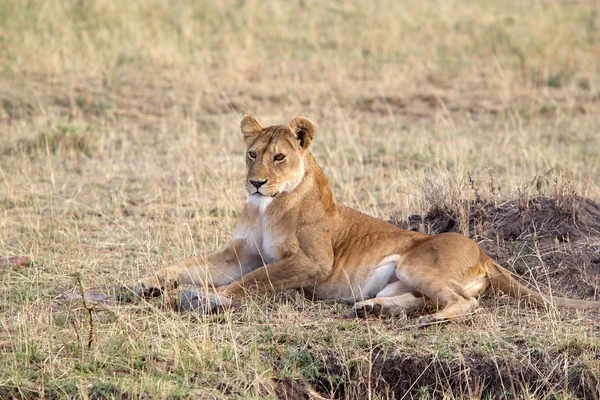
(120, 153)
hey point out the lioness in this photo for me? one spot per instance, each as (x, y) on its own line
(294, 234)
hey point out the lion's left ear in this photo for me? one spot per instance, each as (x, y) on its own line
(304, 129)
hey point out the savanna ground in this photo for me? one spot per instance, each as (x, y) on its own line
(120, 153)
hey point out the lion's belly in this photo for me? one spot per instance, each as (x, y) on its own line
(357, 284)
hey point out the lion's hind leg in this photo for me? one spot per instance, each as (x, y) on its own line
(450, 297)
(456, 299)
(447, 269)
(393, 300)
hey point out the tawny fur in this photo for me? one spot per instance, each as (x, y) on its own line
(293, 234)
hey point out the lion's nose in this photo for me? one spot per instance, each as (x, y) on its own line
(258, 184)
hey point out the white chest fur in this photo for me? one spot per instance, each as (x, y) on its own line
(258, 234)
(270, 246)
(260, 202)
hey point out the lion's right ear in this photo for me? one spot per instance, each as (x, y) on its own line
(250, 128)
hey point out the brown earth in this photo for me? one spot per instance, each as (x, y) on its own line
(476, 376)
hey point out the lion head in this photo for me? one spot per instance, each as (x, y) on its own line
(275, 157)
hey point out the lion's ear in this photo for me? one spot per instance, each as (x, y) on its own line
(250, 128)
(304, 129)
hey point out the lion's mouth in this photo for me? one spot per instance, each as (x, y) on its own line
(258, 193)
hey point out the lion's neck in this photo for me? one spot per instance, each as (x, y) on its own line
(322, 187)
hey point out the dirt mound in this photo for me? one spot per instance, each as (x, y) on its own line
(550, 243)
(420, 376)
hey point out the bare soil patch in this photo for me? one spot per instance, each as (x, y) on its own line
(475, 376)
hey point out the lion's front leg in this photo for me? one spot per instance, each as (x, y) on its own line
(294, 272)
(217, 269)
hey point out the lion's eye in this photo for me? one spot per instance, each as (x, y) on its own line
(252, 154)
(279, 157)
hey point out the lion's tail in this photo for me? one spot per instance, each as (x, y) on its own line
(502, 280)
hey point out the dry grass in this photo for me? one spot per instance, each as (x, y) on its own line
(120, 153)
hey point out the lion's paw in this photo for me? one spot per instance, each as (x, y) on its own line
(149, 287)
(365, 308)
(425, 320)
(201, 302)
